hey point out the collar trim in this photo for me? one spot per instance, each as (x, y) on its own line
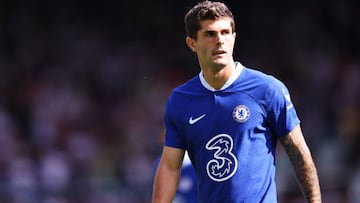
(238, 69)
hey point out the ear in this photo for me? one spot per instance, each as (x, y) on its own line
(191, 43)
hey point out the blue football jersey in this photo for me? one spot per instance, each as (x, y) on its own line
(231, 133)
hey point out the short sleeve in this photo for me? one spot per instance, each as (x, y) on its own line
(173, 136)
(281, 112)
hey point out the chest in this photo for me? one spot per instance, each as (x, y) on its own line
(233, 114)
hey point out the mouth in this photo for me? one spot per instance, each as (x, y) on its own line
(218, 52)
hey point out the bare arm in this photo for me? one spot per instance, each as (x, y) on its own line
(167, 175)
(303, 164)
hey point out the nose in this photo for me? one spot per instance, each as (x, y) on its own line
(219, 38)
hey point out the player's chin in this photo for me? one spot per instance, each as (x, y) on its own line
(220, 58)
(221, 62)
(218, 66)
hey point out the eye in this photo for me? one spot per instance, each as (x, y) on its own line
(225, 32)
(209, 34)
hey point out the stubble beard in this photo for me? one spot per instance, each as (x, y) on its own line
(220, 63)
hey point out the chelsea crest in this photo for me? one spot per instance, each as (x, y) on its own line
(241, 113)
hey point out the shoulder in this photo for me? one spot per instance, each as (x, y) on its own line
(266, 89)
(189, 89)
(260, 77)
(185, 93)
(188, 85)
(258, 81)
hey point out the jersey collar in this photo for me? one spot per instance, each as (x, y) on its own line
(238, 68)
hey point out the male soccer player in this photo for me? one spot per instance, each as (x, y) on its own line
(229, 119)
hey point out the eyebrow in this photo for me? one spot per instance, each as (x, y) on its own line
(214, 31)
(209, 31)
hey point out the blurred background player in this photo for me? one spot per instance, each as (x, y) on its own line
(187, 189)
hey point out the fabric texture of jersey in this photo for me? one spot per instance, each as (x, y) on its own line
(231, 134)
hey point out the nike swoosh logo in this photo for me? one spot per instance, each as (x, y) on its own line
(194, 120)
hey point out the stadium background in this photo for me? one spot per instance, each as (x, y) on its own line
(83, 85)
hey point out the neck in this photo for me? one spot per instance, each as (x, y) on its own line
(217, 78)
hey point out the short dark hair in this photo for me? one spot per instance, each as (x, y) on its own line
(206, 10)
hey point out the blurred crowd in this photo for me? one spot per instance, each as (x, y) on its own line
(83, 87)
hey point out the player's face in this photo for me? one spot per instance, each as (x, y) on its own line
(215, 43)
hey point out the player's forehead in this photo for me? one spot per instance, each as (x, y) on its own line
(216, 25)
